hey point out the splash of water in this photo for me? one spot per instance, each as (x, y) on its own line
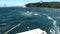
(29, 14)
(55, 29)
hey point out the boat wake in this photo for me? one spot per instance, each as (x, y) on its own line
(55, 29)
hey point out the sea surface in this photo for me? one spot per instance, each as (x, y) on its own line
(13, 20)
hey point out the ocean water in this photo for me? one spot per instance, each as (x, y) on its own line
(11, 18)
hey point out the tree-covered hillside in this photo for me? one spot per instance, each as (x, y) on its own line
(44, 4)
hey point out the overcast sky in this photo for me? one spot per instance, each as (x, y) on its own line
(21, 2)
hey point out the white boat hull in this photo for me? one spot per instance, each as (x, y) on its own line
(35, 31)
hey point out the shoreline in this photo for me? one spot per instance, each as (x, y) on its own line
(12, 6)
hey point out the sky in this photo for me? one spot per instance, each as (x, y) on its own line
(21, 2)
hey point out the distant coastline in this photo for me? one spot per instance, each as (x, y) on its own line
(12, 6)
(44, 4)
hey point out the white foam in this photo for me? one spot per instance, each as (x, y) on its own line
(55, 29)
(28, 13)
(35, 14)
(49, 17)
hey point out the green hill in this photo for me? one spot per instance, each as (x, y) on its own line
(44, 4)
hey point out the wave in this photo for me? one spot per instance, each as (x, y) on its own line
(55, 29)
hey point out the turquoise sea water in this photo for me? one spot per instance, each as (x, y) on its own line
(48, 19)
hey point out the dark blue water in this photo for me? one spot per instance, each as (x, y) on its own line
(48, 19)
